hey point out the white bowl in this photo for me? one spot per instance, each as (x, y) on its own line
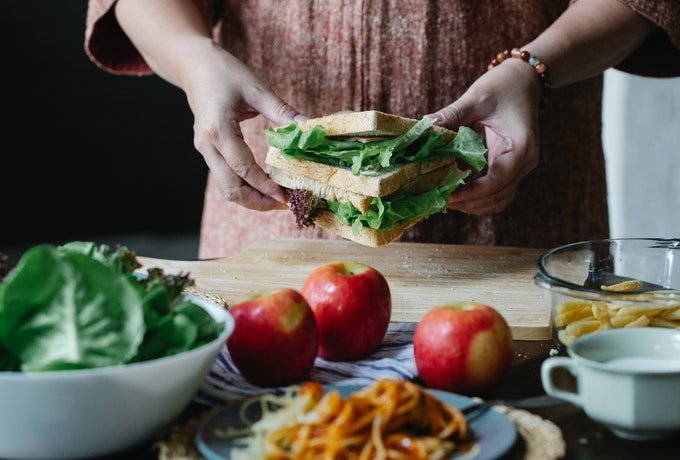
(93, 412)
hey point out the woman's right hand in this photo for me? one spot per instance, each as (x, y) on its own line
(173, 36)
(222, 92)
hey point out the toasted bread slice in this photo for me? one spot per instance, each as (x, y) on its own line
(321, 189)
(367, 236)
(368, 123)
(361, 202)
(380, 183)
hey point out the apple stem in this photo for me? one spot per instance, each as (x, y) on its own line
(354, 268)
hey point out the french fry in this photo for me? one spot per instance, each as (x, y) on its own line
(621, 321)
(584, 326)
(613, 309)
(638, 310)
(672, 313)
(586, 313)
(583, 311)
(560, 320)
(579, 317)
(601, 312)
(565, 337)
(640, 322)
(573, 305)
(660, 322)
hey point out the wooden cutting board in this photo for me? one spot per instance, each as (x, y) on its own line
(420, 276)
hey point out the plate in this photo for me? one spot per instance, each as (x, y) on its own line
(493, 432)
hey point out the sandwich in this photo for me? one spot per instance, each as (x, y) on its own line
(368, 176)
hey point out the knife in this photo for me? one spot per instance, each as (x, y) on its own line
(534, 402)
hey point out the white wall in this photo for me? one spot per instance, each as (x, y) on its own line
(641, 137)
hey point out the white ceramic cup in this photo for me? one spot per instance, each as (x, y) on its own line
(627, 379)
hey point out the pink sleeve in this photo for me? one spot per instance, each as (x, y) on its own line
(110, 49)
(107, 45)
(665, 14)
(659, 55)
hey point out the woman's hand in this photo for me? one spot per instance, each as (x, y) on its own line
(505, 101)
(222, 92)
(175, 40)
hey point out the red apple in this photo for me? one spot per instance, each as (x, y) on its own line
(352, 306)
(462, 347)
(275, 340)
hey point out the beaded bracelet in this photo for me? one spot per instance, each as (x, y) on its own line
(534, 62)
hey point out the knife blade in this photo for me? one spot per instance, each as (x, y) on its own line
(533, 402)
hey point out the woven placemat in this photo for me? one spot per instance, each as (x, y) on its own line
(541, 438)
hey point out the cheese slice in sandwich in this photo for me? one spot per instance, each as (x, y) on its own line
(368, 176)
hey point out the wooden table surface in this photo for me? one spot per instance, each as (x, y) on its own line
(420, 276)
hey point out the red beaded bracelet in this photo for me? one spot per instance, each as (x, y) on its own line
(534, 62)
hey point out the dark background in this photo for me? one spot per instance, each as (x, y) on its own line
(86, 154)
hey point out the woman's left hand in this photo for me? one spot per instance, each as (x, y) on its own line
(505, 101)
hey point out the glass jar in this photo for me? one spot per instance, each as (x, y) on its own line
(611, 283)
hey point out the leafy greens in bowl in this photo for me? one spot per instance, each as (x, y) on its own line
(81, 306)
(95, 359)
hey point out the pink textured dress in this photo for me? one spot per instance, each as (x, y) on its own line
(409, 57)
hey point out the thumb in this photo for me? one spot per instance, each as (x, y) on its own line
(275, 109)
(463, 111)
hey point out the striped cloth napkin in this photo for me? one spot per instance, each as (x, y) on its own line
(393, 360)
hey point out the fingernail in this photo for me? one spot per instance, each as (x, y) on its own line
(300, 117)
(435, 118)
(281, 198)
